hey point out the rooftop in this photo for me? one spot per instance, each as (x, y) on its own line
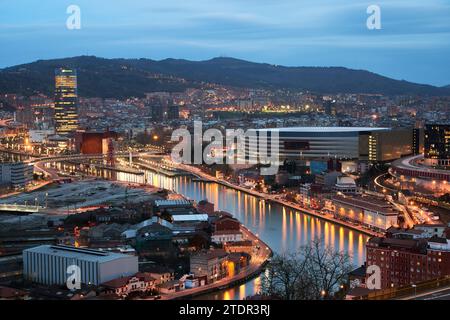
(170, 203)
(367, 202)
(77, 253)
(324, 129)
(190, 217)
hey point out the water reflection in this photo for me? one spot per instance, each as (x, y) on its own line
(283, 229)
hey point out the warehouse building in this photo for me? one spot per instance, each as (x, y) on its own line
(48, 264)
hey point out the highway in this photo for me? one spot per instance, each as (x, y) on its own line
(440, 294)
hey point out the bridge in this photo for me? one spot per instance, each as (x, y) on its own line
(18, 208)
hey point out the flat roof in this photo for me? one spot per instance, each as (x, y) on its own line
(190, 217)
(176, 202)
(77, 253)
(324, 129)
(367, 202)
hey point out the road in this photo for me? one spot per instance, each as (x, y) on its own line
(276, 198)
(254, 268)
(441, 294)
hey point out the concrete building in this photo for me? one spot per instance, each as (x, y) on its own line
(15, 174)
(140, 282)
(226, 236)
(48, 264)
(366, 210)
(212, 264)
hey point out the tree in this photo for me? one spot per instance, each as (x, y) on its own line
(327, 268)
(313, 272)
(286, 277)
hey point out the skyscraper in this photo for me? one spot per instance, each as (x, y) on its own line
(66, 115)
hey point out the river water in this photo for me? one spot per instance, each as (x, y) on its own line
(282, 228)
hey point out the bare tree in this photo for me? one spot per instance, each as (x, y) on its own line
(313, 272)
(327, 268)
(284, 277)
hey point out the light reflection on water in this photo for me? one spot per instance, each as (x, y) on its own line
(282, 228)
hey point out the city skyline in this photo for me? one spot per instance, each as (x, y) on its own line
(225, 150)
(412, 43)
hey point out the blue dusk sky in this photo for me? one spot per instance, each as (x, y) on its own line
(412, 44)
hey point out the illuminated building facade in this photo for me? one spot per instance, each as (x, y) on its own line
(369, 211)
(437, 144)
(15, 174)
(408, 261)
(351, 143)
(66, 113)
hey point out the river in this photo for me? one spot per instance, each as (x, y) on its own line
(282, 228)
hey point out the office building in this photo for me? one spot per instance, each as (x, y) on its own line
(48, 264)
(15, 174)
(437, 144)
(157, 112)
(173, 112)
(329, 107)
(66, 113)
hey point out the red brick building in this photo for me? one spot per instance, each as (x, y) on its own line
(408, 261)
(205, 207)
(227, 223)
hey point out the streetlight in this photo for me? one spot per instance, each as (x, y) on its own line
(415, 290)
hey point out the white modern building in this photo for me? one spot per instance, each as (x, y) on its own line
(345, 185)
(48, 264)
(16, 174)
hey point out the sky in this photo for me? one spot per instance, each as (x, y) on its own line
(413, 43)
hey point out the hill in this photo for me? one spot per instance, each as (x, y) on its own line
(119, 78)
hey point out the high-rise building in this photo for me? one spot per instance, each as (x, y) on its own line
(173, 112)
(418, 135)
(66, 113)
(330, 107)
(157, 112)
(437, 144)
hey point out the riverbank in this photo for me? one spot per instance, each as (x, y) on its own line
(257, 265)
(272, 198)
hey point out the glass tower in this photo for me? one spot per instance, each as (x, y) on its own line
(66, 115)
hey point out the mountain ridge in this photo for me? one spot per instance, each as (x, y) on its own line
(120, 77)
